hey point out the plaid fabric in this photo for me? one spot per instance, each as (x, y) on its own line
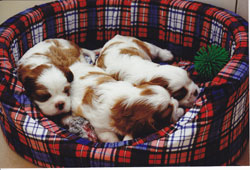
(213, 132)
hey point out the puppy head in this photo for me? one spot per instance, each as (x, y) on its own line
(49, 87)
(145, 115)
(187, 94)
(177, 81)
(184, 89)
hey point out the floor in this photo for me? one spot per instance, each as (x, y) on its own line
(9, 159)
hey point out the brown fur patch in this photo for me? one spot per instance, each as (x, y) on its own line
(147, 92)
(26, 71)
(168, 111)
(111, 45)
(116, 76)
(63, 57)
(97, 73)
(132, 51)
(155, 81)
(104, 79)
(180, 94)
(143, 46)
(78, 112)
(91, 73)
(66, 90)
(160, 81)
(139, 119)
(143, 85)
(136, 119)
(88, 96)
(163, 118)
(100, 61)
(28, 77)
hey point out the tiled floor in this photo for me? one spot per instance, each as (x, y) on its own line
(9, 159)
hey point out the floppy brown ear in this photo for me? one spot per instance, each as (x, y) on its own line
(162, 118)
(160, 81)
(28, 77)
(136, 119)
(29, 84)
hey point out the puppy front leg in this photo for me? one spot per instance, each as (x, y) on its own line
(177, 111)
(160, 53)
(127, 137)
(177, 115)
(107, 136)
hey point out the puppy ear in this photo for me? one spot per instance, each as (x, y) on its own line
(29, 84)
(67, 72)
(160, 81)
(135, 119)
(162, 118)
(28, 77)
(180, 94)
(69, 75)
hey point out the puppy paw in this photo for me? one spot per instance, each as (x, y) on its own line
(177, 115)
(108, 137)
(180, 112)
(165, 55)
(127, 137)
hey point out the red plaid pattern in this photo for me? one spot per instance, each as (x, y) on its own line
(213, 132)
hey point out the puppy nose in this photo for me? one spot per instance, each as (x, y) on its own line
(60, 105)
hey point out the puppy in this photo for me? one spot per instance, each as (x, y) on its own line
(45, 74)
(118, 107)
(129, 59)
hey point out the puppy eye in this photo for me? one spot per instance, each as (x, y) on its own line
(67, 90)
(43, 97)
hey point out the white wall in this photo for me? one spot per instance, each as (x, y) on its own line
(238, 6)
(9, 8)
(243, 8)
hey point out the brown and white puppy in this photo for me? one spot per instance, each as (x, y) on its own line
(129, 59)
(118, 107)
(45, 74)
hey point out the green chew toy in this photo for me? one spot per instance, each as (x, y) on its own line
(208, 62)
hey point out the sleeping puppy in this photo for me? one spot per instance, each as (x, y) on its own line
(118, 107)
(129, 59)
(45, 74)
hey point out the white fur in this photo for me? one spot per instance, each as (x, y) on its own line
(108, 94)
(52, 78)
(135, 69)
(31, 58)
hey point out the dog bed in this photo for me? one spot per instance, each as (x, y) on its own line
(214, 131)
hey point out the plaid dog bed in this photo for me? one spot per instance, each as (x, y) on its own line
(213, 132)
